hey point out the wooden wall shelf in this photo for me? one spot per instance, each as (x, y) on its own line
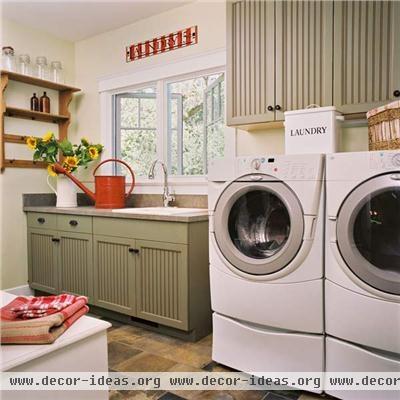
(63, 119)
(30, 80)
(35, 115)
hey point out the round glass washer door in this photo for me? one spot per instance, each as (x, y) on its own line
(368, 232)
(258, 226)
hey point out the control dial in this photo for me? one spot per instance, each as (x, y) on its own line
(256, 164)
(396, 160)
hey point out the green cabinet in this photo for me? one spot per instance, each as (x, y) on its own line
(162, 283)
(114, 274)
(152, 270)
(366, 54)
(279, 58)
(42, 260)
(286, 55)
(75, 263)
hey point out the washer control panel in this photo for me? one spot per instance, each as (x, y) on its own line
(281, 167)
(384, 160)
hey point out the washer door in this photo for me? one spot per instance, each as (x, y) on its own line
(368, 232)
(258, 226)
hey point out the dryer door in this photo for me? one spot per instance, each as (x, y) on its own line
(368, 232)
(258, 225)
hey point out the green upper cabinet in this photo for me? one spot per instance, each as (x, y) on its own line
(43, 259)
(303, 53)
(366, 54)
(250, 62)
(286, 55)
(76, 264)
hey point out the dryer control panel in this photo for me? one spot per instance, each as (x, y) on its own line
(294, 167)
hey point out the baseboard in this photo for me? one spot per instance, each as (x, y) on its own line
(23, 290)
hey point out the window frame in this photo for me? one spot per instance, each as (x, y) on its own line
(160, 76)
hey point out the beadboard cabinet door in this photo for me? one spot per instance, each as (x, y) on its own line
(76, 264)
(366, 54)
(114, 274)
(162, 283)
(304, 45)
(250, 62)
(43, 260)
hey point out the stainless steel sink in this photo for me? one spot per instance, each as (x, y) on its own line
(160, 210)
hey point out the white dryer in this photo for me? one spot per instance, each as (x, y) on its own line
(362, 291)
(266, 262)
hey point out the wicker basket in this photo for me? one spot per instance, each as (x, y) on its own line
(384, 127)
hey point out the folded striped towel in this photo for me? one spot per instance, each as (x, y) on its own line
(44, 330)
(36, 307)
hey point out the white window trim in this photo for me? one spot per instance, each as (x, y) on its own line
(160, 76)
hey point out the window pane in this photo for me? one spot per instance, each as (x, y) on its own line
(138, 149)
(194, 123)
(135, 125)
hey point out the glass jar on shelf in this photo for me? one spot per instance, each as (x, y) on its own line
(24, 64)
(8, 58)
(56, 72)
(42, 70)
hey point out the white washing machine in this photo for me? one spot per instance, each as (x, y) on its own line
(266, 262)
(362, 291)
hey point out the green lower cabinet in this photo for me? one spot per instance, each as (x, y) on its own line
(76, 264)
(162, 283)
(114, 274)
(43, 260)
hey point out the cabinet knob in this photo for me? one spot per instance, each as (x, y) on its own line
(55, 240)
(135, 251)
(277, 107)
(396, 93)
(41, 220)
(73, 222)
(270, 108)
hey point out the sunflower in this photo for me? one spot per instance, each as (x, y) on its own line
(47, 137)
(66, 167)
(93, 152)
(50, 170)
(31, 142)
(71, 161)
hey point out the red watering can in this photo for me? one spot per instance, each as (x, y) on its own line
(109, 190)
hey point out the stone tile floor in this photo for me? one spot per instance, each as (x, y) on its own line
(136, 349)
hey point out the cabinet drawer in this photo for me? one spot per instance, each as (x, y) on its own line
(74, 223)
(161, 231)
(42, 220)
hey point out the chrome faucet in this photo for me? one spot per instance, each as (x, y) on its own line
(167, 196)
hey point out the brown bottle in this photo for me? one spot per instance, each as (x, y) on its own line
(34, 103)
(45, 103)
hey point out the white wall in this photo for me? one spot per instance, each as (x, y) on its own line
(13, 181)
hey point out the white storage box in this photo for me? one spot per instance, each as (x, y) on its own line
(312, 130)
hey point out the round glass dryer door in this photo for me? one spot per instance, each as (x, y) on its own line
(368, 232)
(258, 226)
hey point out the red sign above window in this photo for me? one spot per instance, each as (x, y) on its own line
(183, 38)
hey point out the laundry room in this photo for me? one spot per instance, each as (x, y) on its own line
(200, 199)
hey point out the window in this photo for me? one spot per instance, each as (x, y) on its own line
(179, 121)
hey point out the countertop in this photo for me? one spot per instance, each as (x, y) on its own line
(14, 355)
(98, 212)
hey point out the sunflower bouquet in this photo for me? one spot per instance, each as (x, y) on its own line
(48, 148)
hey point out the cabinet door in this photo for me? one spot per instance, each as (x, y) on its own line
(303, 54)
(250, 62)
(114, 274)
(162, 283)
(43, 260)
(366, 54)
(75, 264)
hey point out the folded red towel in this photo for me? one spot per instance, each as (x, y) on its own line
(39, 330)
(36, 307)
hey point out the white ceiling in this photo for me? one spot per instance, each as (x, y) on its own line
(79, 19)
